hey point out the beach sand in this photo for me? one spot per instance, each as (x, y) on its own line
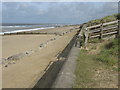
(14, 44)
(26, 71)
(57, 29)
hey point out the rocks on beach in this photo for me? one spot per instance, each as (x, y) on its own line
(13, 58)
(6, 62)
(44, 44)
(2, 60)
(17, 56)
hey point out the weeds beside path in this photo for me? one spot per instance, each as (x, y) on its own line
(97, 67)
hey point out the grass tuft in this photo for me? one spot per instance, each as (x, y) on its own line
(109, 53)
(85, 64)
(95, 40)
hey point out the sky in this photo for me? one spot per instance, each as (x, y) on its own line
(56, 12)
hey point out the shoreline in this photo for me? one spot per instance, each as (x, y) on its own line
(24, 30)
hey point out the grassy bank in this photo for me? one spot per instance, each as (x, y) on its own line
(85, 64)
(109, 53)
(97, 67)
(104, 19)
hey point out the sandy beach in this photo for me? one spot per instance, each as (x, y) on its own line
(25, 72)
(19, 43)
(57, 29)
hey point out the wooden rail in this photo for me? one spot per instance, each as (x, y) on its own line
(103, 30)
(100, 31)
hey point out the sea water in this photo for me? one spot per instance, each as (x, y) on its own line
(13, 28)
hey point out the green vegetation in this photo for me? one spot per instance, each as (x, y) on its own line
(99, 61)
(104, 19)
(109, 53)
(85, 65)
(94, 40)
(89, 63)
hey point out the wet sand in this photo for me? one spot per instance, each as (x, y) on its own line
(26, 71)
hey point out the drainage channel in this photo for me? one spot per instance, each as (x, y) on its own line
(47, 80)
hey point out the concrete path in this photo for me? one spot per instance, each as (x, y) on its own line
(66, 76)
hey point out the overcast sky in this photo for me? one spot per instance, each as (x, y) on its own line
(59, 12)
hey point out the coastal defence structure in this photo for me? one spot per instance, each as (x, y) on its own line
(60, 74)
(53, 70)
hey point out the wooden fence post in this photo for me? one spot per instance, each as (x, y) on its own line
(86, 36)
(118, 33)
(118, 28)
(118, 17)
(101, 31)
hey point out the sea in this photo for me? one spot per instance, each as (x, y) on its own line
(13, 28)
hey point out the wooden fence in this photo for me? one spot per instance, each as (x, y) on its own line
(100, 31)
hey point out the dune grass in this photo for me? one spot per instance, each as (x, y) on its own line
(104, 19)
